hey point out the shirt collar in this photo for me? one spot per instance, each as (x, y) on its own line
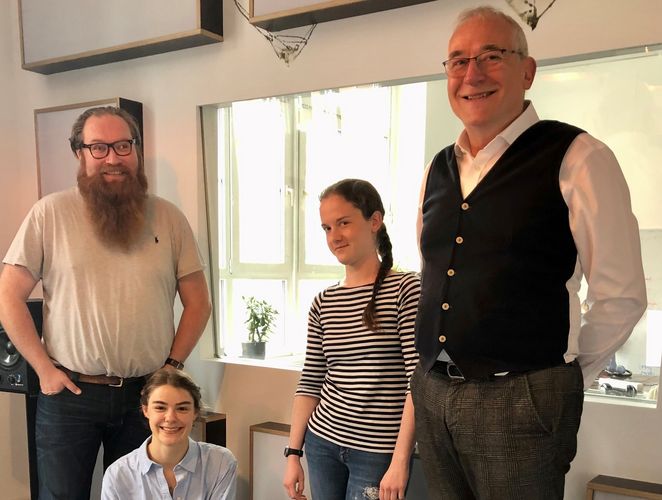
(192, 457)
(144, 462)
(189, 462)
(509, 134)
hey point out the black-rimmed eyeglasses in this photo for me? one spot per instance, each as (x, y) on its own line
(490, 59)
(100, 150)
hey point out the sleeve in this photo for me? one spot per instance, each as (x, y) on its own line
(225, 485)
(315, 365)
(188, 258)
(109, 485)
(27, 248)
(408, 295)
(606, 235)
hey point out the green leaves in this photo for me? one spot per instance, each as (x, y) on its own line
(261, 318)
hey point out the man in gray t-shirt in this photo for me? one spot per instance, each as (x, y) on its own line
(111, 259)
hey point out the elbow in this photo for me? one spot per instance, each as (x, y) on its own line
(206, 309)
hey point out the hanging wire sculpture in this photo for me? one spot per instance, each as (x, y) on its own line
(527, 11)
(286, 47)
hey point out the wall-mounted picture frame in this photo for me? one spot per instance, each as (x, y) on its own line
(56, 165)
(70, 34)
(277, 15)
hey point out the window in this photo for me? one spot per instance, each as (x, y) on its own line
(274, 157)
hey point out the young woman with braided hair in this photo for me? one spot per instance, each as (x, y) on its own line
(352, 407)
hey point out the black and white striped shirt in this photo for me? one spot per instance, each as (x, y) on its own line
(361, 376)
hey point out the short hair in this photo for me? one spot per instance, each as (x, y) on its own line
(76, 138)
(175, 378)
(485, 12)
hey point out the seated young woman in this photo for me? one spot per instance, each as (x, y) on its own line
(169, 464)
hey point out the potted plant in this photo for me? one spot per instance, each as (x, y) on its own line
(260, 322)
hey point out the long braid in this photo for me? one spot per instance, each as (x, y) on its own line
(384, 248)
(365, 197)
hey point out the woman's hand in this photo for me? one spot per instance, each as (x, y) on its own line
(294, 478)
(394, 482)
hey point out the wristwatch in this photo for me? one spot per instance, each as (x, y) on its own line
(292, 451)
(173, 362)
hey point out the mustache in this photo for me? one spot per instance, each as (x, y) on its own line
(114, 169)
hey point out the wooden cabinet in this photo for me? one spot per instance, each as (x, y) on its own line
(210, 428)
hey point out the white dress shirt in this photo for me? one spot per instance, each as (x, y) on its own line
(605, 232)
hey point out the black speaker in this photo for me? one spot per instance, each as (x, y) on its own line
(16, 375)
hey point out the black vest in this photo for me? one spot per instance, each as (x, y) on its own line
(495, 265)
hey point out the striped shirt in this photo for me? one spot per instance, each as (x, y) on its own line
(361, 377)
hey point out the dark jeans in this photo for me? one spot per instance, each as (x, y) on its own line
(70, 429)
(508, 438)
(340, 473)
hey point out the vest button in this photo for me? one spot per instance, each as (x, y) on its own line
(450, 272)
(459, 240)
(442, 338)
(464, 206)
(445, 306)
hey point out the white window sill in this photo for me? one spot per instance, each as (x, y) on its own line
(292, 362)
(592, 397)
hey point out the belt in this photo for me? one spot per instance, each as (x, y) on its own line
(451, 370)
(109, 380)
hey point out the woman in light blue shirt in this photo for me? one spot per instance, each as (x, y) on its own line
(169, 464)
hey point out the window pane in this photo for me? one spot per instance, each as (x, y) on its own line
(259, 144)
(346, 135)
(223, 168)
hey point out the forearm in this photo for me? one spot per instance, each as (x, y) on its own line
(404, 445)
(190, 328)
(302, 408)
(197, 308)
(16, 284)
(17, 321)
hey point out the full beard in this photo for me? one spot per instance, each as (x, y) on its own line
(116, 209)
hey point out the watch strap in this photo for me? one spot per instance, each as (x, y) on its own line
(173, 362)
(292, 451)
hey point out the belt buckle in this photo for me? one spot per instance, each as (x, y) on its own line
(450, 365)
(118, 385)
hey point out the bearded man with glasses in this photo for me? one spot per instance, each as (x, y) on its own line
(511, 217)
(111, 259)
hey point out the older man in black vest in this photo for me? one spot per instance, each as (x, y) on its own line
(512, 216)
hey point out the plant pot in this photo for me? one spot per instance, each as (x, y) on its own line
(253, 350)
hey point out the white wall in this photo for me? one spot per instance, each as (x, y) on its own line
(402, 43)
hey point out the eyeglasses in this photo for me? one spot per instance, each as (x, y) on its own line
(100, 150)
(490, 59)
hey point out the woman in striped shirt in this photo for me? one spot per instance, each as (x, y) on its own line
(352, 406)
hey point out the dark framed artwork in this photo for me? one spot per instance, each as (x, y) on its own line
(56, 165)
(72, 34)
(276, 15)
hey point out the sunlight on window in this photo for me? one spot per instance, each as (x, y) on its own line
(259, 140)
(279, 155)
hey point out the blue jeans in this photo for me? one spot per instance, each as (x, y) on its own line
(69, 430)
(340, 473)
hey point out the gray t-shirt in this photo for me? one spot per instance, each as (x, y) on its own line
(106, 311)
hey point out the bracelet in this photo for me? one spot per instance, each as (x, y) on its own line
(173, 362)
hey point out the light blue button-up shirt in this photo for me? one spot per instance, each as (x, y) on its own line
(207, 472)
